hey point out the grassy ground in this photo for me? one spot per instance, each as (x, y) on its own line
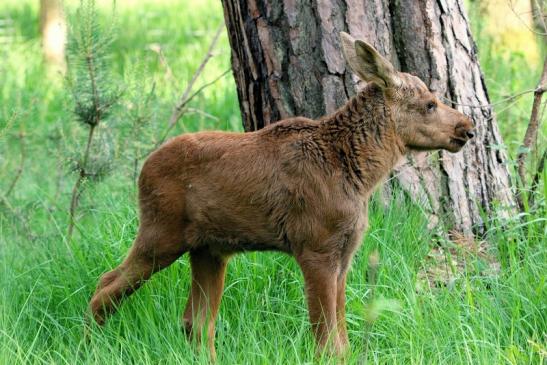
(483, 315)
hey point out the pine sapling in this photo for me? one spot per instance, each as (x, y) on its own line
(92, 91)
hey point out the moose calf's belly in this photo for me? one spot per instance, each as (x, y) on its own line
(225, 226)
(230, 238)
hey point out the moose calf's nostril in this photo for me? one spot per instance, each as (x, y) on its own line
(470, 134)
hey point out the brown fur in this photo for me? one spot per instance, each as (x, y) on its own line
(299, 186)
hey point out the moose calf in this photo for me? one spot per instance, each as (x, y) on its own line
(299, 186)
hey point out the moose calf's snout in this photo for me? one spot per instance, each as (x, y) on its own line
(465, 128)
(470, 132)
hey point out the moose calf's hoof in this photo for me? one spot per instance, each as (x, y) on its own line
(186, 327)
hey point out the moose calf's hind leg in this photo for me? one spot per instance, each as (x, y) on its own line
(153, 250)
(208, 273)
(116, 284)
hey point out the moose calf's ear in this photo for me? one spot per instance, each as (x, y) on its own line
(367, 63)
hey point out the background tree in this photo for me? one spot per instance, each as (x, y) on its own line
(539, 17)
(287, 60)
(53, 31)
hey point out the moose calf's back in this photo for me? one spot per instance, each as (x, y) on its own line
(252, 191)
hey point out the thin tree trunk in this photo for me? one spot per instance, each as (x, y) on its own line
(53, 30)
(539, 18)
(287, 60)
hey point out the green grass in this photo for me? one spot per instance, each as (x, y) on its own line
(45, 283)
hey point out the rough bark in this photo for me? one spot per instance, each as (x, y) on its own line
(53, 30)
(287, 61)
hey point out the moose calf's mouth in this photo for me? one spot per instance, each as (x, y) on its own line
(458, 141)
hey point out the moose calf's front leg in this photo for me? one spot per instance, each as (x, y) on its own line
(341, 310)
(320, 277)
(208, 272)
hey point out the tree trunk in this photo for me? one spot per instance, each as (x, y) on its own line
(287, 60)
(539, 16)
(53, 30)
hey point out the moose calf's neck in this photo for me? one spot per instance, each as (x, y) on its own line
(363, 138)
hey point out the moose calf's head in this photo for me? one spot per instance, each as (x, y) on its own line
(421, 120)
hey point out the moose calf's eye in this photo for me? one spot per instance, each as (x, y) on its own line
(431, 106)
